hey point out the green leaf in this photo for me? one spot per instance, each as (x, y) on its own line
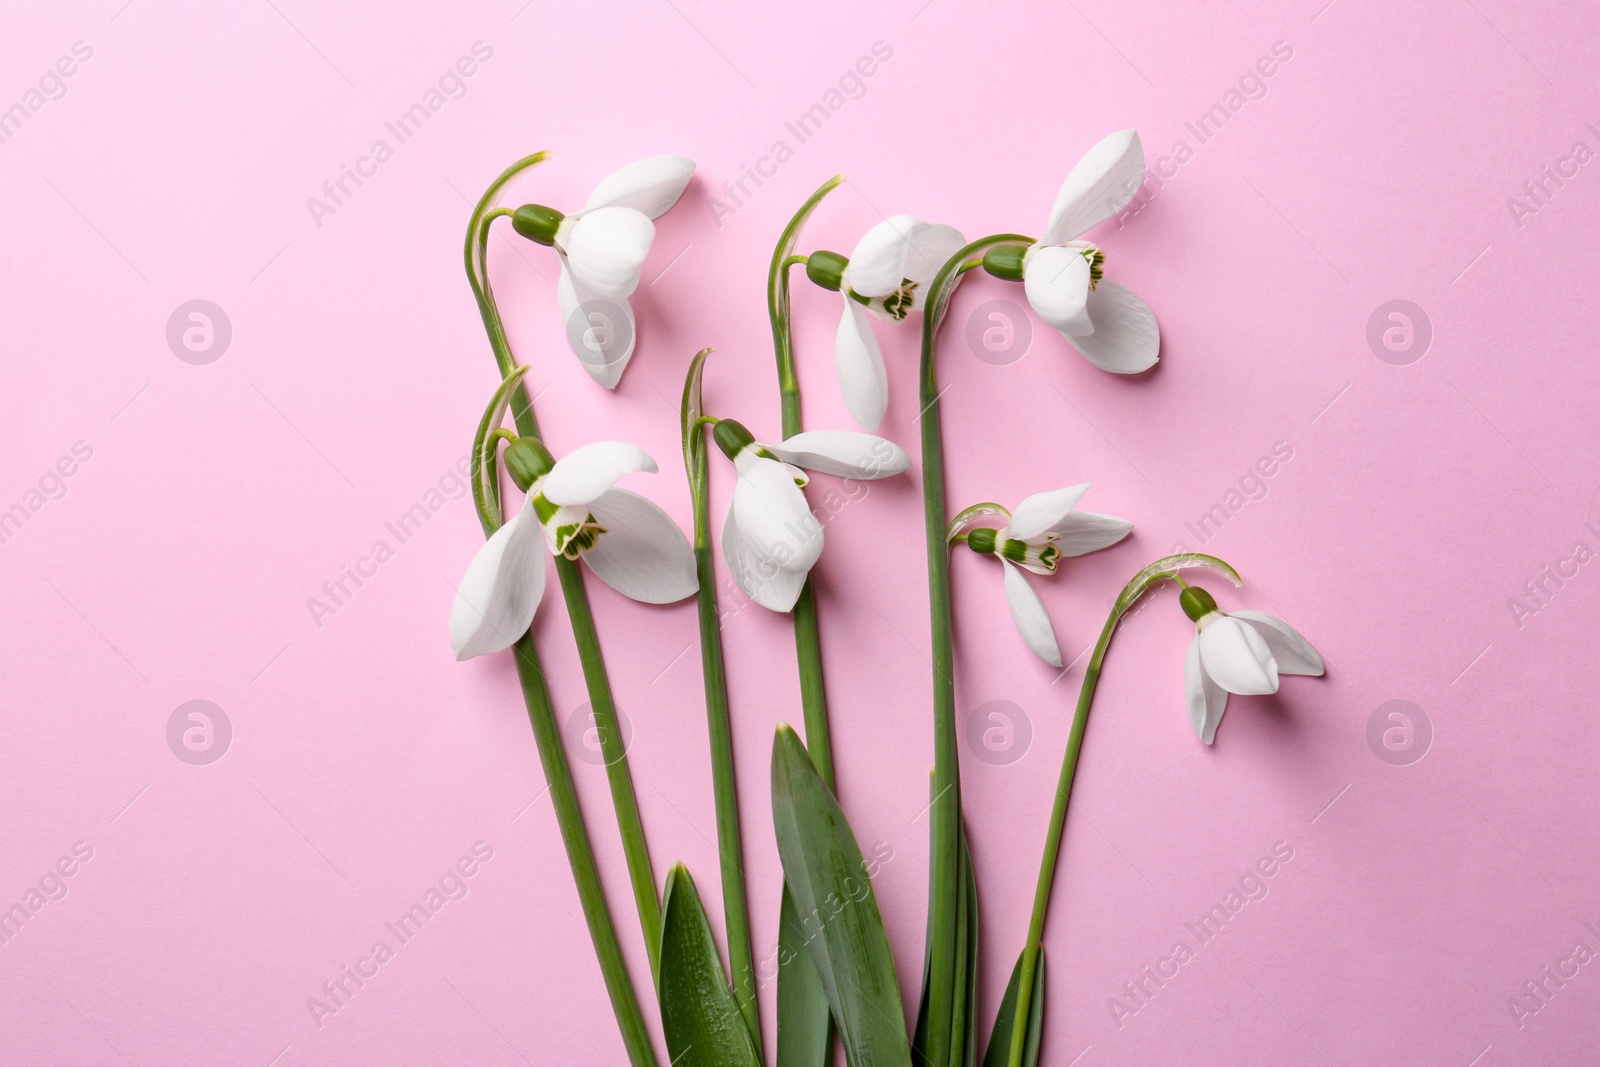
(965, 1037)
(919, 1037)
(699, 1014)
(833, 897)
(803, 1021)
(999, 1053)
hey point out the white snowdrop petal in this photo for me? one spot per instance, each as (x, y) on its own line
(642, 554)
(1207, 699)
(878, 263)
(600, 330)
(606, 248)
(1126, 339)
(763, 581)
(501, 590)
(1039, 513)
(1056, 282)
(650, 186)
(1292, 651)
(931, 248)
(859, 360)
(1089, 531)
(1102, 183)
(1028, 612)
(844, 453)
(589, 470)
(774, 516)
(1236, 656)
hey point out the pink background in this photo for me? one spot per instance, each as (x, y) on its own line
(178, 564)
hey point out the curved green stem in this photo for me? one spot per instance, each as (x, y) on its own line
(805, 1026)
(944, 865)
(807, 638)
(580, 854)
(730, 844)
(1160, 570)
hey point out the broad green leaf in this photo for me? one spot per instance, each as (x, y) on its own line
(804, 1033)
(837, 909)
(999, 1053)
(701, 1018)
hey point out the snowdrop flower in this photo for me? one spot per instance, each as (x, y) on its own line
(888, 275)
(1240, 652)
(1035, 538)
(572, 509)
(1108, 324)
(602, 249)
(770, 538)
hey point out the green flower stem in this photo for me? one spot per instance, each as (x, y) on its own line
(601, 705)
(945, 864)
(807, 638)
(1150, 576)
(801, 1002)
(612, 750)
(730, 845)
(580, 854)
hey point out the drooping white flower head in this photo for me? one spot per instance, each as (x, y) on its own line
(887, 274)
(1240, 652)
(1107, 323)
(573, 509)
(1043, 530)
(602, 250)
(770, 538)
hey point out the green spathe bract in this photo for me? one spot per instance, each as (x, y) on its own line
(824, 869)
(699, 1014)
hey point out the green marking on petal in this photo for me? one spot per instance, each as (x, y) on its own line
(1097, 261)
(898, 304)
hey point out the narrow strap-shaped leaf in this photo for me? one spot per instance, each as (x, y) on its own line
(701, 1018)
(1000, 1039)
(967, 1040)
(919, 1037)
(833, 895)
(803, 1033)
